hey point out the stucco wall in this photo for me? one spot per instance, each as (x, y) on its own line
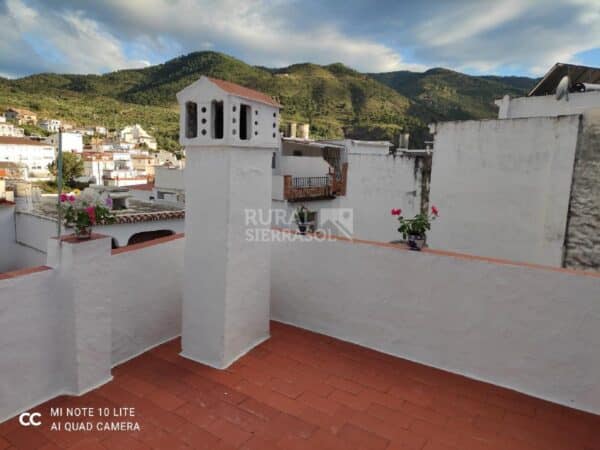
(14, 256)
(376, 184)
(303, 166)
(31, 350)
(583, 231)
(34, 230)
(547, 105)
(62, 329)
(532, 330)
(145, 287)
(503, 187)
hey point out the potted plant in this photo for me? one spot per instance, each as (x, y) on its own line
(83, 211)
(414, 231)
(305, 219)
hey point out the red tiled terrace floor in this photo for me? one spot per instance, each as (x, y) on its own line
(301, 390)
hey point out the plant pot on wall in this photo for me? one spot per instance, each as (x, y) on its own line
(302, 228)
(416, 241)
(83, 233)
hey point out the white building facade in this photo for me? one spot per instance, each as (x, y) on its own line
(35, 155)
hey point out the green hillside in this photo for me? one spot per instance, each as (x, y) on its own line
(442, 94)
(334, 99)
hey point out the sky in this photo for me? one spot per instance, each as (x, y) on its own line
(504, 37)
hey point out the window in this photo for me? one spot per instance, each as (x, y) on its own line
(245, 122)
(273, 163)
(217, 120)
(191, 120)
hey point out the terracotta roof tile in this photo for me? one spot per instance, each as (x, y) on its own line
(245, 92)
(21, 141)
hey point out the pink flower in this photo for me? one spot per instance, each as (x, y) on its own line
(71, 198)
(63, 197)
(91, 212)
(434, 211)
(396, 211)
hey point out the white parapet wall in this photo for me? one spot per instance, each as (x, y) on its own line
(547, 105)
(503, 187)
(63, 328)
(535, 330)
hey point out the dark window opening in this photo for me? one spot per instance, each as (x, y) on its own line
(146, 236)
(297, 153)
(273, 164)
(191, 120)
(245, 122)
(217, 120)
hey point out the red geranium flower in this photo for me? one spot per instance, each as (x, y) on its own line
(91, 212)
(434, 211)
(396, 211)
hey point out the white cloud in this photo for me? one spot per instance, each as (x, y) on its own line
(63, 41)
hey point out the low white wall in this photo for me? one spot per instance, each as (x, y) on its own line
(32, 353)
(532, 330)
(145, 286)
(34, 230)
(62, 329)
(14, 256)
(547, 105)
(503, 187)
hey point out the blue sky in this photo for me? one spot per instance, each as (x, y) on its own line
(506, 37)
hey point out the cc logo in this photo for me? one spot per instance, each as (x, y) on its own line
(29, 419)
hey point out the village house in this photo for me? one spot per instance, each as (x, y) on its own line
(50, 125)
(21, 116)
(35, 155)
(71, 142)
(10, 130)
(137, 136)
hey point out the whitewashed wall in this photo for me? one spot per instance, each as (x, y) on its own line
(546, 105)
(532, 330)
(31, 350)
(376, 184)
(62, 329)
(503, 187)
(34, 230)
(145, 287)
(304, 166)
(14, 256)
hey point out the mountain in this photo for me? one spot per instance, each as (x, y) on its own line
(442, 94)
(336, 100)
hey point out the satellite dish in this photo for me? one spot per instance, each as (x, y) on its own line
(562, 90)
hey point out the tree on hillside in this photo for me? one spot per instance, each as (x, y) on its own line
(72, 168)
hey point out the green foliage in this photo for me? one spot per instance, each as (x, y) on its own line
(334, 99)
(72, 168)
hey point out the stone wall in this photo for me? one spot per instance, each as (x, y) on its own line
(583, 230)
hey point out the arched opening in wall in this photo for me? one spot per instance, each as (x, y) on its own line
(191, 120)
(146, 236)
(217, 119)
(114, 243)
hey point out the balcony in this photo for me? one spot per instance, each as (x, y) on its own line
(307, 188)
